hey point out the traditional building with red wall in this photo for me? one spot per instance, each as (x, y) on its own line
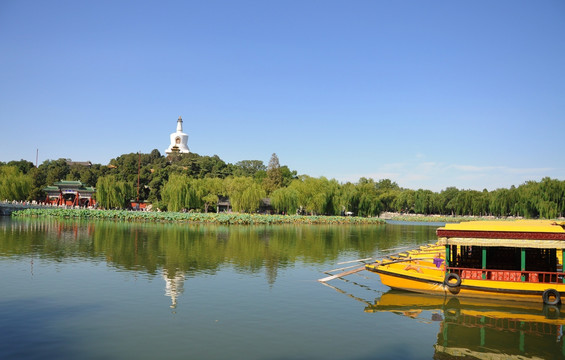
(70, 193)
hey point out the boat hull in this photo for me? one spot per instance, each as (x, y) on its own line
(427, 284)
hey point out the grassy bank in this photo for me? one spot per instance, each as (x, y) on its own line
(210, 218)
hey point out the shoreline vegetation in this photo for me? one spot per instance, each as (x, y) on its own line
(193, 217)
(236, 218)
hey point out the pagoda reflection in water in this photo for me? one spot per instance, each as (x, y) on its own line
(174, 286)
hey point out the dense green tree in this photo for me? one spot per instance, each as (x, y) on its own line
(14, 184)
(348, 199)
(244, 193)
(405, 201)
(287, 175)
(38, 182)
(311, 199)
(274, 179)
(212, 166)
(500, 202)
(447, 198)
(248, 168)
(178, 193)
(386, 184)
(157, 180)
(369, 197)
(208, 191)
(154, 155)
(423, 202)
(57, 170)
(22, 165)
(387, 198)
(112, 193)
(527, 200)
(285, 200)
(125, 167)
(88, 175)
(552, 198)
(260, 176)
(480, 203)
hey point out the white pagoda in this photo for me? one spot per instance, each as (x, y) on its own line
(179, 141)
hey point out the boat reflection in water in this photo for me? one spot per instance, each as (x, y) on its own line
(479, 329)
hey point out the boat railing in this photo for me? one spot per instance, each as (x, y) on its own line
(509, 275)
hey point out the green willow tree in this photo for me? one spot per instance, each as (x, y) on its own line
(369, 200)
(178, 194)
(387, 191)
(14, 184)
(405, 201)
(317, 196)
(208, 191)
(348, 199)
(244, 193)
(285, 200)
(111, 193)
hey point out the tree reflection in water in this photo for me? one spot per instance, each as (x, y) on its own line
(179, 251)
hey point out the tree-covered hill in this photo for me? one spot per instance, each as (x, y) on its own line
(194, 182)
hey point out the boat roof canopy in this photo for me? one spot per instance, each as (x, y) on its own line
(522, 233)
(515, 226)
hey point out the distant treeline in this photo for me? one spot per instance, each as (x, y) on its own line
(186, 182)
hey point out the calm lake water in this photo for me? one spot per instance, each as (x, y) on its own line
(105, 290)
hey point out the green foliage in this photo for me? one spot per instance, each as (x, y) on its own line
(23, 166)
(317, 196)
(56, 170)
(210, 218)
(369, 199)
(405, 202)
(285, 200)
(348, 198)
(178, 193)
(194, 182)
(111, 193)
(208, 191)
(248, 168)
(14, 184)
(287, 175)
(274, 179)
(244, 193)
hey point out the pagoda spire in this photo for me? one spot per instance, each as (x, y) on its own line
(179, 124)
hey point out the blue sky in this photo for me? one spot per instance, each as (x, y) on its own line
(429, 94)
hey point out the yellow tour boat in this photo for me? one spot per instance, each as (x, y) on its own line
(511, 260)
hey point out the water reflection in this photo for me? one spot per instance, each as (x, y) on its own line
(176, 252)
(483, 329)
(194, 249)
(174, 286)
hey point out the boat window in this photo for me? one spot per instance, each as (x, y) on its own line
(503, 258)
(541, 260)
(467, 257)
